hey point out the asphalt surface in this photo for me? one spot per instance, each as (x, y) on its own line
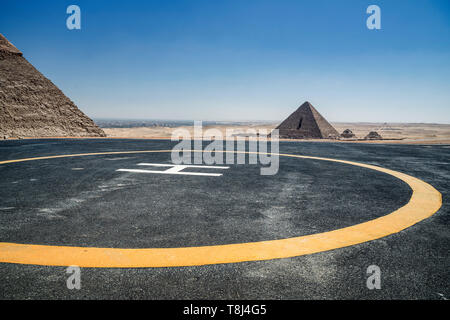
(84, 201)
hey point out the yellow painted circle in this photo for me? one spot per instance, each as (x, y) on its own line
(424, 202)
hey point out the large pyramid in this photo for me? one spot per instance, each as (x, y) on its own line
(32, 106)
(306, 123)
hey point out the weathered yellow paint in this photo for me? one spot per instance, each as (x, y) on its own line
(424, 202)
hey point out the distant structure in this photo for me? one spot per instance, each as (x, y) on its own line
(306, 123)
(373, 135)
(31, 105)
(347, 133)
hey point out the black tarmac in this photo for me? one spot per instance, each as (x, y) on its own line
(84, 201)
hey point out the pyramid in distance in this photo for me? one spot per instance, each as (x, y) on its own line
(306, 123)
(32, 106)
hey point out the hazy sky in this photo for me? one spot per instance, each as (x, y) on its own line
(243, 59)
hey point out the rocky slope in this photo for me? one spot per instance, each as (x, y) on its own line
(32, 106)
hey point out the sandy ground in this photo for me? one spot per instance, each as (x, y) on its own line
(404, 133)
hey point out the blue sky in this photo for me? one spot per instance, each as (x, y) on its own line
(243, 59)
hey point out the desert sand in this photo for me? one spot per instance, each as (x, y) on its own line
(404, 133)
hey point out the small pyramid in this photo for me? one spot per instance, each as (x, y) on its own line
(347, 133)
(373, 135)
(32, 106)
(306, 123)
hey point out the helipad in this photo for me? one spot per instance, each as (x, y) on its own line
(424, 201)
